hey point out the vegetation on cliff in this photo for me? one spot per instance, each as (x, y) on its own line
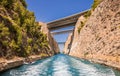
(20, 35)
(80, 27)
(94, 5)
(88, 13)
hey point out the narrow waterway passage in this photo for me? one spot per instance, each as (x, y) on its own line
(62, 65)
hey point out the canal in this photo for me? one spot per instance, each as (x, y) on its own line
(62, 65)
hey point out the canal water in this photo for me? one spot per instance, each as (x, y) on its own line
(62, 65)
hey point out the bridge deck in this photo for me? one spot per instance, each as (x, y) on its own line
(62, 32)
(70, 20)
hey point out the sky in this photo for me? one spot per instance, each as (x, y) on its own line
(49, 10)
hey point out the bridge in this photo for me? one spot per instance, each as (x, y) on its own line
(62, 32)
(59, 28)
(64, 22)
(61, 42)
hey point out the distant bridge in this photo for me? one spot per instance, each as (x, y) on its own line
(63, 22)
(61, 42)
(62, 32)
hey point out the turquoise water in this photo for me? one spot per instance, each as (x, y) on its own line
(62, 65)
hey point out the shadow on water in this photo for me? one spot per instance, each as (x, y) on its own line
(62, 65)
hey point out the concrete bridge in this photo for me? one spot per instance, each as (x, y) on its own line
(62, 27)
(64, 22)
(61, 42)
(62, 32)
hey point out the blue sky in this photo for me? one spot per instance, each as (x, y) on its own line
(49, 10)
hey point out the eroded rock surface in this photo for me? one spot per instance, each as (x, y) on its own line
(52, 43)
(99, 39)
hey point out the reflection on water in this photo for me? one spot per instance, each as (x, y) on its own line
(62, 65)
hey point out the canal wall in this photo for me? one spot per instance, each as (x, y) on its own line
(53, 45)
(21, 36)
(6, 64)
(97, 37)
(18, 61)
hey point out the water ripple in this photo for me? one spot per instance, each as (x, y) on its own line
(62, 65)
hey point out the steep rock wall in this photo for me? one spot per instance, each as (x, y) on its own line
(21, 38)
(99, 39)
(73, 37)
(52, 43)
(68, 44)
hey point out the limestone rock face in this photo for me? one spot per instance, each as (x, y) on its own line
(73, 37)
(52, 43)
(99, 39)
(76, 33)
(68, 44)
(21, 36)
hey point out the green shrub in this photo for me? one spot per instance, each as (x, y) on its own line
(28, 50)
(13, 45)
(20, 27)
(7, 3)
(5, 43)
(81, 26)
(24, 3)
(29, 40)
(3, 2)
(4, 31)
(35, 47)
(87, 14)
(95, 4)
(86, 53)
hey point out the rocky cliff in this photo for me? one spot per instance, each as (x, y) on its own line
(52, 43)
(21, 36)
(68, 44)
(73, 37)
(99, 39)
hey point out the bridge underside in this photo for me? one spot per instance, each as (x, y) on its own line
(59, 26)
(62, 24)
(61, 32)
(67, 21)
